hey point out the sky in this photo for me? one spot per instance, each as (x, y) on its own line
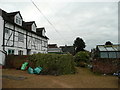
(95, 22)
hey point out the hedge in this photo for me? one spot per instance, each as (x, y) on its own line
(54, 64)
(82, 58)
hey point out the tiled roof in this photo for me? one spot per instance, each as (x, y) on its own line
(52, 46)
(9, 17)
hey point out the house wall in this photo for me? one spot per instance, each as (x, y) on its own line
(16, 39)
(11, 39)
(36, 44)
(18, 43)
(2, 55)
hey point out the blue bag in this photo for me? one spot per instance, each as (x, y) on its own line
(30, 70)
(37, 70)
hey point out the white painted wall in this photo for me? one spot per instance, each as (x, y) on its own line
(20, 44)
(41, 48)
(16, 50)
(2, 56)
(9, 25)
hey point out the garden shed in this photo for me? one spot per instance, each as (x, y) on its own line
(108, 51)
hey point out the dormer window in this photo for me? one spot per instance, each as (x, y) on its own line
(43, 32)
(34, 27)
(18, 20)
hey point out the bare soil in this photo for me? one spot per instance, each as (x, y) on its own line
(83, 79)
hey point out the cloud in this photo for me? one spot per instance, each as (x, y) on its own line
(95, 22)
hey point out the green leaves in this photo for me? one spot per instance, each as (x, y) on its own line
(81, 57)
(79, 44)
(54, 64)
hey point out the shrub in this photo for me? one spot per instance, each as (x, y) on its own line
(54, 64)
(81, 58)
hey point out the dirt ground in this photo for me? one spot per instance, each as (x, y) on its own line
(83, 79)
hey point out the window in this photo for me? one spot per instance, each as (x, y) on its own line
(112, 55)
(103, 54)
(118, 54)
(20, 52)
(46, 44)
(10, 51)
(33, 27)
(18, 20)
(34, 52)
(43, 32)
(36, 41)
(20, 37)
(7, 31)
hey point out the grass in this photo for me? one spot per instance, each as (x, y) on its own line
(84, 78)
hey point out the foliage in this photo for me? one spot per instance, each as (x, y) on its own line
(54, 64)
(81, 58)
(79, 44)
(108, 43)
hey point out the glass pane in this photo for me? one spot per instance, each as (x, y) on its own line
(101, 48)
(9, 51)
(112, 54)
(118, 54)
(110, 49)
(12, 51)
(116, 48)
(103, 54)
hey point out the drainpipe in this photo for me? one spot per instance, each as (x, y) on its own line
(4, 52)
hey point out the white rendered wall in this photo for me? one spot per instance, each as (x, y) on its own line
(16, 50)
(16, 42)
(20, 44)
(2, 56)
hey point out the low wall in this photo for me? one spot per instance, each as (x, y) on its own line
(15, 61)
(106, 66)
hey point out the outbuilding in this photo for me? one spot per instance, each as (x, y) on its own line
(108, 51)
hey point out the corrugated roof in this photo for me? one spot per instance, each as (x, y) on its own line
(54, 50)
(109, 47)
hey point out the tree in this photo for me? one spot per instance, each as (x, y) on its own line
(82, 58)
(79, 44)
(108, 43)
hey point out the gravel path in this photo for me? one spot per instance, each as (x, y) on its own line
(83, 79)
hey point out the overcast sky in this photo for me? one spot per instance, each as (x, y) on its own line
(94, 22)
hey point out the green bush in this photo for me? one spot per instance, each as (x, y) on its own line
(81, 58)
(54, 64)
